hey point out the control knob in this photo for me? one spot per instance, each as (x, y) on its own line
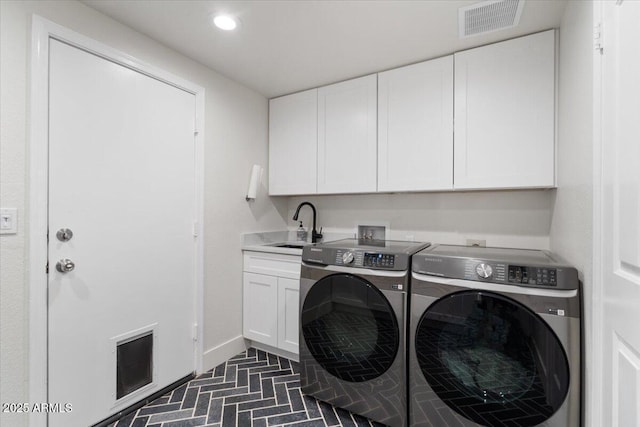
(484, 270)
(347, 257)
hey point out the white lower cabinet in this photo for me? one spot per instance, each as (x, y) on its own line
(288, 314)
(271, 288)
(260, 308)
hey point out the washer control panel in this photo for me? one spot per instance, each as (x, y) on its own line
(377, 260)
(485, 271)
(533, 275)
(363, 259)
(389, 255)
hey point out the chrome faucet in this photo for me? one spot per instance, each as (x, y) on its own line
(314, 234)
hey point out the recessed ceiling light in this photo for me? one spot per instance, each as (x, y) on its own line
(225, 22)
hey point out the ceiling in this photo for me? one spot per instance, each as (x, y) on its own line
(287, 46)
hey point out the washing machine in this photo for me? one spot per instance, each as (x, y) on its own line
(353, 306)
(495, 338)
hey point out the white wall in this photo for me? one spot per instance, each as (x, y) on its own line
(572, 223)
(236, 138)
(519, 219)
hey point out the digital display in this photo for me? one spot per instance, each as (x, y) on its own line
(532, 275)
(378, 260)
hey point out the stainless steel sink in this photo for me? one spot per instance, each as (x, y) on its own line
(287, 245)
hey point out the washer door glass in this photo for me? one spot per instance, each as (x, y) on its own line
(491, 359)
(350, 328)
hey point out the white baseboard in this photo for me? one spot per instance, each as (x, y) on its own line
(223, 352)
(277, 351)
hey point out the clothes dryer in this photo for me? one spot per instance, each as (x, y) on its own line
(494, 338)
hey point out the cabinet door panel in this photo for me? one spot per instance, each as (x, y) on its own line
(347, 136)
(288, 314)
(415, 127)
(505, 114)
(293, 142)
(260, 311)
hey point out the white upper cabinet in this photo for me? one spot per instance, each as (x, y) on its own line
(415, 127)
(293, 142)
(347, 136)
(395, 131)
(505, 114)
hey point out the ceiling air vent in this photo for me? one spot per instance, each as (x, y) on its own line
(489, 16)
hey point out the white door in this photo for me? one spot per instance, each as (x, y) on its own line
(122, 179)
(347, 142)
(620, 216)
(415, 127)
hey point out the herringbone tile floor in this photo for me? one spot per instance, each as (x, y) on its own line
(252, 389)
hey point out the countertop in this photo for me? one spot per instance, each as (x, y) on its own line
(262, 242)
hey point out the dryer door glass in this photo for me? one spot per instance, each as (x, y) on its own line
(349, 327)
(491, 359)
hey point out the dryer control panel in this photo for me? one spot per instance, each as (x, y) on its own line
(498, 272)
(516, 267)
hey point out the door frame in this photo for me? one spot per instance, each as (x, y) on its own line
(38, 162)
(593, 372)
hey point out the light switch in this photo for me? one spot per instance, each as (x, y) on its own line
(8, 221)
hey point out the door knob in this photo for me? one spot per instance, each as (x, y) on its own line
(64, 234)
(65, 265)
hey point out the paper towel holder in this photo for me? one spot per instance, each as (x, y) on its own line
(254, 182)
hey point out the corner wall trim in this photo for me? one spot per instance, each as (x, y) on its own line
(223, 352)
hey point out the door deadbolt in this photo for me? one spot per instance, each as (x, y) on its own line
(65, 265)
(64, 234)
